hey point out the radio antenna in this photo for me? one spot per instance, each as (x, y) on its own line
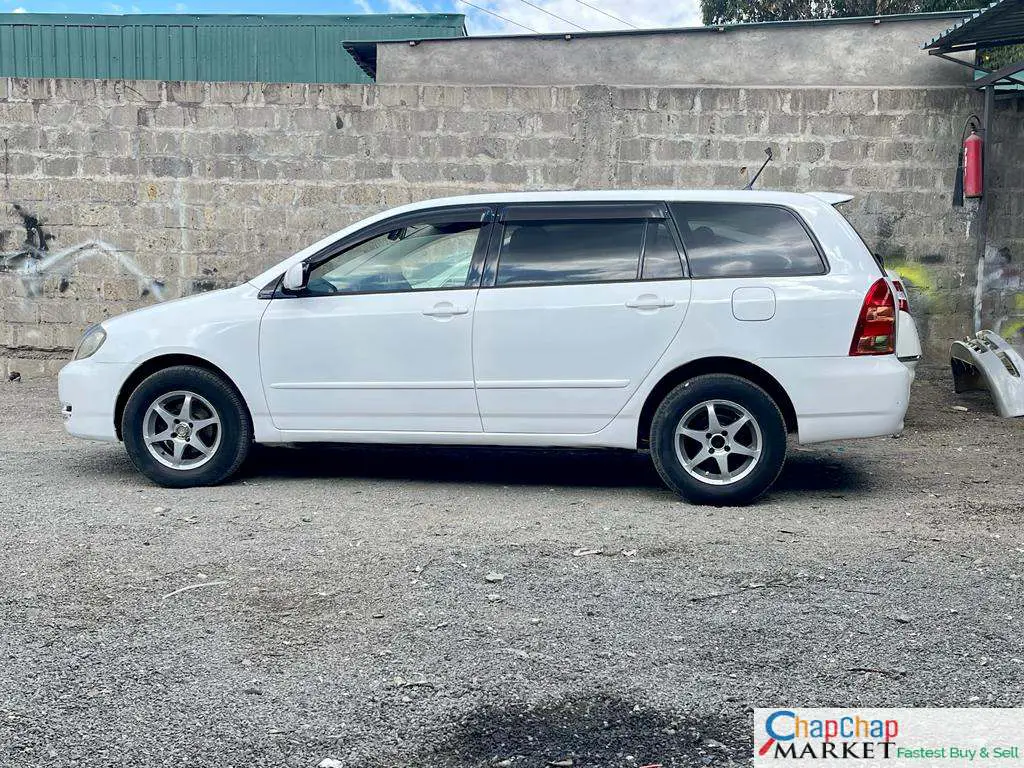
(768, 159)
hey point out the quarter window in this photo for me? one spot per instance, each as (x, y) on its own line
(578, 251)
(661, 257)
(418, 257)
(743, 240)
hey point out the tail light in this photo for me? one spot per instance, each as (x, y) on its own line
(875, 333)
(901, 296)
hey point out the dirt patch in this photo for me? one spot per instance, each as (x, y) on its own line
(592, 730)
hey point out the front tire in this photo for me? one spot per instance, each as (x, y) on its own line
(186, 426)
(718, 439)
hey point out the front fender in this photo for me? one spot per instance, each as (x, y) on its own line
(220, 328)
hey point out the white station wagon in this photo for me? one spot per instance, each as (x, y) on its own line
(701, 326)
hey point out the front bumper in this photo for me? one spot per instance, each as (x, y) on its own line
(88, 394)
(987, 361)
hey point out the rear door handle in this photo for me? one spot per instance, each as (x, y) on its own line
(649, 301)
(445, 309)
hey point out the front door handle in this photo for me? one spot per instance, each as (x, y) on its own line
(649, 301)
(445, 309)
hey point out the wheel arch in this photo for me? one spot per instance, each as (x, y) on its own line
(159, 363)
(706, 365)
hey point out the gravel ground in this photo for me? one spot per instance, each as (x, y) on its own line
(343, 607)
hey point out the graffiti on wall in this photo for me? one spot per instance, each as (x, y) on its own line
(998, 293)
(999, 298)
(921, 285)
(35, 261)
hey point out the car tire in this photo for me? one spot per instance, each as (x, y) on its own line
(718, 439)
(202, 419)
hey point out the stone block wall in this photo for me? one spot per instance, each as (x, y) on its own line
(999, 298)
(117, 194)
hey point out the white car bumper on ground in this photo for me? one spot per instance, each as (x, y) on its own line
(844, 397)
(88, 392)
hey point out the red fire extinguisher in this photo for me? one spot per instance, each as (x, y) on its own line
(973, 149)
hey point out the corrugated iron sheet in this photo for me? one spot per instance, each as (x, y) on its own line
(1001, 23)
(267, 48)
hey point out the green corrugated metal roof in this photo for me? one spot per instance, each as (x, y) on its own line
(1001, 23)
(266, 48)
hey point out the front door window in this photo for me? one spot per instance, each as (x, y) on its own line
(420, 257)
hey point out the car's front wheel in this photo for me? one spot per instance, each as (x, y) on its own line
(718, 439)
(185, 426)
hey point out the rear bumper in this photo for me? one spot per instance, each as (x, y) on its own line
(88, 392)
(908, 343)
(911, 364)
(836, 398)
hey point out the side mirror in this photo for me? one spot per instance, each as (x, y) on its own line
(295, 278)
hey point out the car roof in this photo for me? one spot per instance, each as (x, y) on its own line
(626, 195)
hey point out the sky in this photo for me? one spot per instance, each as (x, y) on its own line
(496, 16)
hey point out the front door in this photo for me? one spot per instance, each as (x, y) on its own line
(578, 304)
(381, 340)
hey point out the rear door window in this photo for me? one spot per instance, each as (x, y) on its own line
(745, 240)
(552, 252)
(661, 256)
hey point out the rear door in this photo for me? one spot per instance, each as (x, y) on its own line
(579, 302)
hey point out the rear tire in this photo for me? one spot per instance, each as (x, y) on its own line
(186, 426)
(718, 439)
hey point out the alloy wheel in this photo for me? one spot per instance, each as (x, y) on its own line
(718, 442)
(182, 430)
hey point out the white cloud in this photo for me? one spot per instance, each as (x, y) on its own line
(136, 9)
(584, 13)
(19, 9)
(592, 15)
(180, 7)
(113, 8)
(404, 6)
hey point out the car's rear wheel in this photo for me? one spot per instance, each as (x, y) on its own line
(186, 426)
(718, 439)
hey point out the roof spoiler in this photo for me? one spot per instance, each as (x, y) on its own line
(832, 198)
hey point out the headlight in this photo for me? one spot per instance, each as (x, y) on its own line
(92, 340)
